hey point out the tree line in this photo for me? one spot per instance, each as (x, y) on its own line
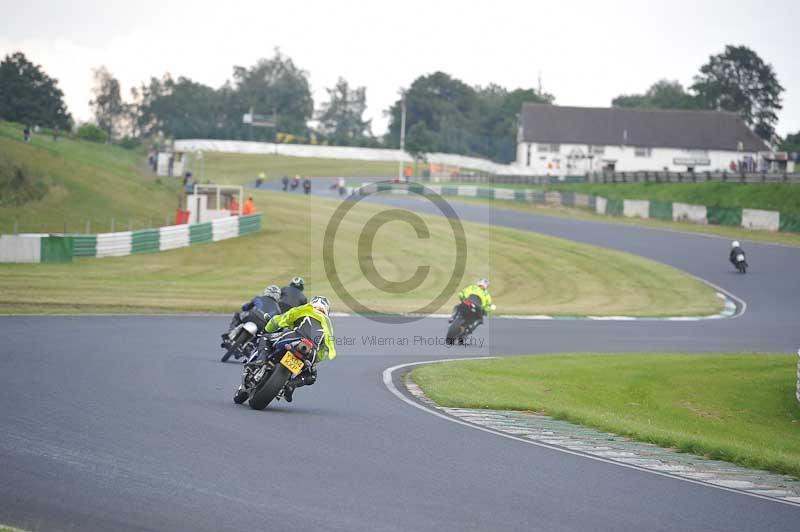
(443, 113)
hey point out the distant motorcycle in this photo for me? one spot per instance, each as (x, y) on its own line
(295, 183)
(307, 186)
(269, 369)
(740, 262)
(468, 315)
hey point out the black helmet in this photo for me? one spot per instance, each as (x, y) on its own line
(298, 283)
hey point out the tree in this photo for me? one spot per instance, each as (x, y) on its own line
(109, 110)
(342, 117)
(738, 80)
(462, 119)
(30, 96)
(663, 94)
(420, 141)
(182, 109)
(275, 86)
(791, 143)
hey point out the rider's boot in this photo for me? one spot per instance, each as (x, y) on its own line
(306, 378)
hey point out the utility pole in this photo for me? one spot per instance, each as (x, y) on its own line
(402, 134)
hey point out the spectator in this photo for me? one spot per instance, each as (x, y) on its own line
(248, 208)
(733, 166)
(55, 133)
(233, 206)
(186, 177)
(26, 133)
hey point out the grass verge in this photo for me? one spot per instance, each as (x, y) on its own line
(531, 273)
(739, 408)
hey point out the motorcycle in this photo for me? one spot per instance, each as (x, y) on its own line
(295, 183)
(740, 262)
(245, 328)
(307, 186)
(468, 315)
(269, 369)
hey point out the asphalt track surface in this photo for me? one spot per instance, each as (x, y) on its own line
(127, 423)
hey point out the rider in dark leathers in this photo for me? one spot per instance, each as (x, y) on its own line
(292, 295)
(736, 249)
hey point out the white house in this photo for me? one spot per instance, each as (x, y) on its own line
(560, 141)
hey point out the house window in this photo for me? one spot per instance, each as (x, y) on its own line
(597, 150)
(643, 152)
(548, 148)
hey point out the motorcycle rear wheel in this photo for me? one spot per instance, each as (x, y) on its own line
(269, 388)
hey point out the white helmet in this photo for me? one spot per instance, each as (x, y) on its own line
(321, 303)
(483, 283)
(735, 244)
(272, 291)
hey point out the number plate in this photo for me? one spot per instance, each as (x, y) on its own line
(292, 363)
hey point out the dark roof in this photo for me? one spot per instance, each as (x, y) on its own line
(654, 128)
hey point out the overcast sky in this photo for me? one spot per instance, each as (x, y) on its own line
(587, 52)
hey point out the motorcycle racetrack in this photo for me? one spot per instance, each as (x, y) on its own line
(128, 423)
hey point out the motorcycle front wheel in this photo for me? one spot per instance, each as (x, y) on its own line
(455, 330)
(269, 388)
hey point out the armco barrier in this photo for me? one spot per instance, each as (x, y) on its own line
(35, 248)
(114, 244)
(614, 207)
(600, 204)
(224, 228)
(199, 233)
(56, 249)
(758, 219)
(62, 248)
(660, 210)
(249, 224)
(683, 212)
(84, 245)
(173, 236)
(20, 248)
(145, 241)
(636, 208)
(790, 223)
(724, 216)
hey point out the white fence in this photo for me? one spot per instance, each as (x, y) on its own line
(343, 152)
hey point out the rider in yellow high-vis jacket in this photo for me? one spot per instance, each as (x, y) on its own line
(479, 289)
(311, 321)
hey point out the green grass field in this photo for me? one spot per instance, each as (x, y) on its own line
(244, 168)
(735, 407)
(774, 197)
(530, 273)
(87, 181)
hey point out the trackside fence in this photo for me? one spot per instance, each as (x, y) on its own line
(48, 248)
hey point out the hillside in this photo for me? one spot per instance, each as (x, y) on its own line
(83, 181)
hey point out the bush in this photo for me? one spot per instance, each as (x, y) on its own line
(130, 143)
(18, 185)
(92, 133)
